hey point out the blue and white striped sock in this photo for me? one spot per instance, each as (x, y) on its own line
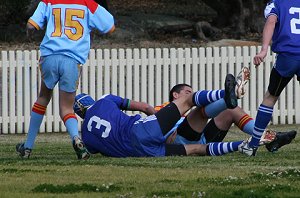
(263, 117)
(204, 97)
(221, 148)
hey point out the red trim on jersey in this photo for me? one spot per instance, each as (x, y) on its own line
(92, 5)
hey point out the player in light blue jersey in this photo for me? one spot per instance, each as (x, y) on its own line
(64, 49)
(111, 132)
(283, 28)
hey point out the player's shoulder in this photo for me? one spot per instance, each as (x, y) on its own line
(159, 107)
(281, 2)
(90, 4)
(271, 8)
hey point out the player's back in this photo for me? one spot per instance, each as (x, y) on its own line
(286, 37)
(107, 130)
(68, 26)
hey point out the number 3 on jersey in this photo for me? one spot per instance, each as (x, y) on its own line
(69, 24)
(295, 21)
(99, 122)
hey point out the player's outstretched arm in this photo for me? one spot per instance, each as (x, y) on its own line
(141, 106)
(266, 40)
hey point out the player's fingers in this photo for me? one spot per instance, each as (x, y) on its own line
(256, 61)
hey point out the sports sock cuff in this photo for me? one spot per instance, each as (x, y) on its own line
(39, 109)
(68, 116)
(243, 121)
(207, 150)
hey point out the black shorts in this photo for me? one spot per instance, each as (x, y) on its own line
(277, 83)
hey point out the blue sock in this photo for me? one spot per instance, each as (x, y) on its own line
(213, 109)
(71, 124)
(34, 126)
(263, 117)
(221, 148)
(204, 97)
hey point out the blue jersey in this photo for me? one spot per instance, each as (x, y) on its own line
(286, 37)
(108, 130)
(110, 127)
(68, 26)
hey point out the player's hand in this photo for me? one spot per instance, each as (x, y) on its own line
(30, 30)
(259, 58)
(149, 110)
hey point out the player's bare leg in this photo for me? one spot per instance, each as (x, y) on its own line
(66, 101)
(37, 114)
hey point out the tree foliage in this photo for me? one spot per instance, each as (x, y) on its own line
(13, 12)
(240, 15)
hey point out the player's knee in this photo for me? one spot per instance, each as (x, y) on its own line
(269, 99)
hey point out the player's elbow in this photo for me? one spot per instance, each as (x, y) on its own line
(31, 25)
(112, 29)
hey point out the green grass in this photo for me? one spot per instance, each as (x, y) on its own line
(54, 171)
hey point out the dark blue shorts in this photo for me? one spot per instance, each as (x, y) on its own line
(148, 138)
(287, 66)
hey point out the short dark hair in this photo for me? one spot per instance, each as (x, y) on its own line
(177, 88)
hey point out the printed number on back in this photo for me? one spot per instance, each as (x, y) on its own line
(105, 129)
(69, 24)
(295, 22)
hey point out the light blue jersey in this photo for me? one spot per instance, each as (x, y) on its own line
(286, 37)
(68, 25)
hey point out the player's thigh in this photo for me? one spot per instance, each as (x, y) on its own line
(277, 83)
(69, 72)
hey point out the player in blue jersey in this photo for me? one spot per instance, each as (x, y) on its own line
(64, 49)
(283, 28)
(109, 131)
(216, 129)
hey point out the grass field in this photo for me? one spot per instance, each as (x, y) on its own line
(54, 171)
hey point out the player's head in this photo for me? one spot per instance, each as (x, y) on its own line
(82, 103)
(178, 90)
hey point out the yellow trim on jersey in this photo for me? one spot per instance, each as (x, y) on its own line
(34, 24)
(112, 29)
(159, 107)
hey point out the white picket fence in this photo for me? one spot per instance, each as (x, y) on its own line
(139, 74)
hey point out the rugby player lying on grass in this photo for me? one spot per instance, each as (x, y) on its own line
(106, 129)
(194, 129)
